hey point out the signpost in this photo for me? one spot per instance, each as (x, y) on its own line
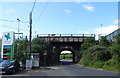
(7, 46)
(29, 64)
(45, 54)
(36, 59)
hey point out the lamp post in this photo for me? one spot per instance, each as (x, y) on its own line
(18, 27)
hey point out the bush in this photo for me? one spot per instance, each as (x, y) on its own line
(104, 55)
(95, 56)
(112, 65)
(85, 61)
(98, 64)
(112, 62)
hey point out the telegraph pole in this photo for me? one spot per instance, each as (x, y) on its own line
(30, 21)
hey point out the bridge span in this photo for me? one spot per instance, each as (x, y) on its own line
(65, 42)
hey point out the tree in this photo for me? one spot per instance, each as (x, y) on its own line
(104, 42)
(21, 50)
(88, 42)
(115, 48)
(117, 39)
(38, 45)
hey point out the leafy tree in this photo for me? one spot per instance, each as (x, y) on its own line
(104, 42)
(21, 50)
(38, 45)
(117, 39)
(88, 42)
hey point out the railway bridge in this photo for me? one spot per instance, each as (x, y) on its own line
(65, 42)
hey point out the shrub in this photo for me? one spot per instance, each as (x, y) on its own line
(85, 61)
(98, 64)
(95, 55)
(112, 65)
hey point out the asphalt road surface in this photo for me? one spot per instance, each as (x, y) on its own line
(66, 70)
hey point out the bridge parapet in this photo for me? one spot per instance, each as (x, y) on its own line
(64, 37)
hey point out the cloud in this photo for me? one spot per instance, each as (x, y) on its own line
(79, 1)
(116, 21)
(83, 32)
(67, 11)
(106, 30)
(10, 11)
(89, 7)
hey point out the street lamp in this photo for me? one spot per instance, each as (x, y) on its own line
(18, 27)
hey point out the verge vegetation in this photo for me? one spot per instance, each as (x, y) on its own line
(103, 54)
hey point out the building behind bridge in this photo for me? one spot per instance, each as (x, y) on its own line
(111, 36)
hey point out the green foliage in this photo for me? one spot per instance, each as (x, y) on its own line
(38, 41)
(21, 50)
(85, 61)
(66, 56)
(104, 42)
(98, 64)
(117, 39)
(89, 40)
(115, 50)
(112, 64)
(38, 45)
(105, 54)
(97, 53)
(88, 43)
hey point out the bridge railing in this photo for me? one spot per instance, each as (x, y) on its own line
(64, 37)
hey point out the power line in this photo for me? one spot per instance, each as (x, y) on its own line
(10, 27)
(42, 12)
(12, 21)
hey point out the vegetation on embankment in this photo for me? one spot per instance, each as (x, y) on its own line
(101, 55)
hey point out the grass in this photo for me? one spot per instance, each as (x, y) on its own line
(104, 67)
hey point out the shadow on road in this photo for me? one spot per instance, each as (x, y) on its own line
(66, 62)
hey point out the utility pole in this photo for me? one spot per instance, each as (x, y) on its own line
(18, 27)
(30, 21)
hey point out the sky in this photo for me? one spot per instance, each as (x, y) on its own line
(60, 17)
